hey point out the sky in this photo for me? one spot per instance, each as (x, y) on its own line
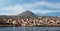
(39, 7)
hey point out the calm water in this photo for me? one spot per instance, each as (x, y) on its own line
(29, 28)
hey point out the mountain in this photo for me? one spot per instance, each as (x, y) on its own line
(27, 14)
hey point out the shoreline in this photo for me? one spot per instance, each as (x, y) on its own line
(12, 25)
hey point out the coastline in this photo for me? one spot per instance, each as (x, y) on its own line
(12, 25)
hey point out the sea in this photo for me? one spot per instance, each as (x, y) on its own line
(18, 28)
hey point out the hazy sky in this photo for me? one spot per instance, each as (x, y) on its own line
(39, 7)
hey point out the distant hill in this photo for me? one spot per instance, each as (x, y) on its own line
(27, 14)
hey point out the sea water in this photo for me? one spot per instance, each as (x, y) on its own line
(29, 28)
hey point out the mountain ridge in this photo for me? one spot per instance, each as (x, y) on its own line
(25, 14)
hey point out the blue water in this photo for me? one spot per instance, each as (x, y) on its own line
(29, 28)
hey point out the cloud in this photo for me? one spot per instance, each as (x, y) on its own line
(17, 9)
(54, 6)
(46, 11)
(42, 3)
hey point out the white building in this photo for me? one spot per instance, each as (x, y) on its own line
(14, 22)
